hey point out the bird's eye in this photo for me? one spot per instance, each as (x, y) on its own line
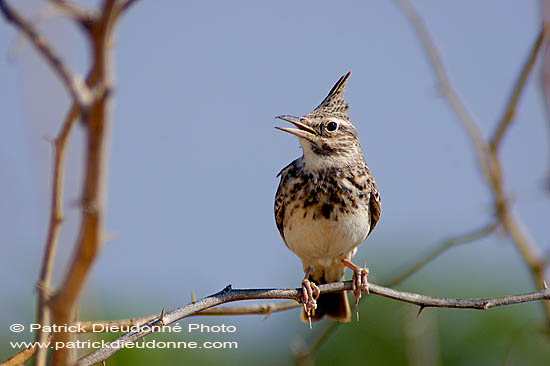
(332, 126)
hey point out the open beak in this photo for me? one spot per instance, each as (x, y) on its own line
(302, 131)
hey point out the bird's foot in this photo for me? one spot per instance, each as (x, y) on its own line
(310, 293)
(359, 282)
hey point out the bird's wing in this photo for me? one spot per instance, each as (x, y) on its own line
(282, 192)
(374, 205)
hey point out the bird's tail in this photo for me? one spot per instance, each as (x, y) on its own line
(332, 305)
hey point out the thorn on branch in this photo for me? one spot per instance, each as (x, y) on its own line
(420, 311)
(162, 316)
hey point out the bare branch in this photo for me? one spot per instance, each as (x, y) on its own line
(228, 295)
(510, 111)
(74, 85)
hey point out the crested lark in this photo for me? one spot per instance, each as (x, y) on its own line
(327, 203)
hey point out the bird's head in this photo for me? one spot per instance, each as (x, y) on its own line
(327, 136)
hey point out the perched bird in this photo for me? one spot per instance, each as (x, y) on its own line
(327, 203)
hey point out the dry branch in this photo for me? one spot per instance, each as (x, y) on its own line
(93, 109)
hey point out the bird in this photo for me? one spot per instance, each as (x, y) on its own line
(326, 204)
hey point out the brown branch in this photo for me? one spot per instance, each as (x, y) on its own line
(228, 295)
(74, 85)
(25, 354)
(90, 236)
(92, 108)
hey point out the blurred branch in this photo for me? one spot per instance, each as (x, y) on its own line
(458, 240)
(74, 85)
(510, 111)
(20, 357)
(228, 295)
(486, 152)
(56, 218)
(93, 109)
(304, 354)
(465, 116)
(90, 237)
(265, 309)
(73, 10)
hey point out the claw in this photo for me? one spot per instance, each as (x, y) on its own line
(310, 293)
(359, 281)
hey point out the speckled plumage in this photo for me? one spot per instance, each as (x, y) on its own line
(327, 202)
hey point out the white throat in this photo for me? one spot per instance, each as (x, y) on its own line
(315, 162)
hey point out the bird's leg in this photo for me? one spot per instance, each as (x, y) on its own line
(310, 293)
(359, 281)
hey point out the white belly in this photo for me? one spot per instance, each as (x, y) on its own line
(322, 240)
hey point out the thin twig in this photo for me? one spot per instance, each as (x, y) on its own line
(122, 7)
(56, 218)
(510, 111)
(261, 309)
(465, 116)
(25, 354)
(303, 356)
(73, 10)
(228, 295)
(74, 85)
(458, 240)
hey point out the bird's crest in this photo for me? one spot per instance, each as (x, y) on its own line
(333, 104)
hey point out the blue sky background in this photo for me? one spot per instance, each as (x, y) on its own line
(194, 153)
